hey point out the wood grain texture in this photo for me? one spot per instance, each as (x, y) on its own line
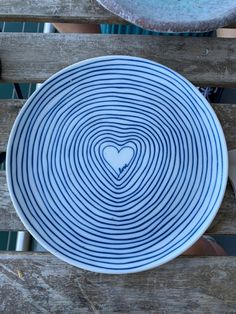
(34, 57)
(78, 11)
(41, 283)
(8, 112)
(227, 116)
(224, 222)
(8, 216)
(10, 108)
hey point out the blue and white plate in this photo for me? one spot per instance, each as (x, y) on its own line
(117, 164)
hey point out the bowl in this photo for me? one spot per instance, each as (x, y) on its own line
(174, 15)
(117, 164)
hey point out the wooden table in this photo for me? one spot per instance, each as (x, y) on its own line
(41, 283)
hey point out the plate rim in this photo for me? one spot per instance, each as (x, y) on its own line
(170, 256)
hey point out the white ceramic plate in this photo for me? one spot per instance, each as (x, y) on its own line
(117, 164)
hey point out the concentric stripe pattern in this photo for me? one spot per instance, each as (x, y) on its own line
(116, 163)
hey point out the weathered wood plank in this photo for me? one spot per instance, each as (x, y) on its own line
(34, 57)
(8, 112)
(41, 283)
(82, 11)
(224, 222)
(10, 108)
(8, 217)
(227, 116)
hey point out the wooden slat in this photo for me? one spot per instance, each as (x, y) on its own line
(41, 283)
(8, 112)
(8, 217)
(10, 108)
(79, 11)
(34, 57)
(227, 116)
(224, 222)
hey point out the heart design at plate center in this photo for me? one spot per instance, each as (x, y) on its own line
(118, 159)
